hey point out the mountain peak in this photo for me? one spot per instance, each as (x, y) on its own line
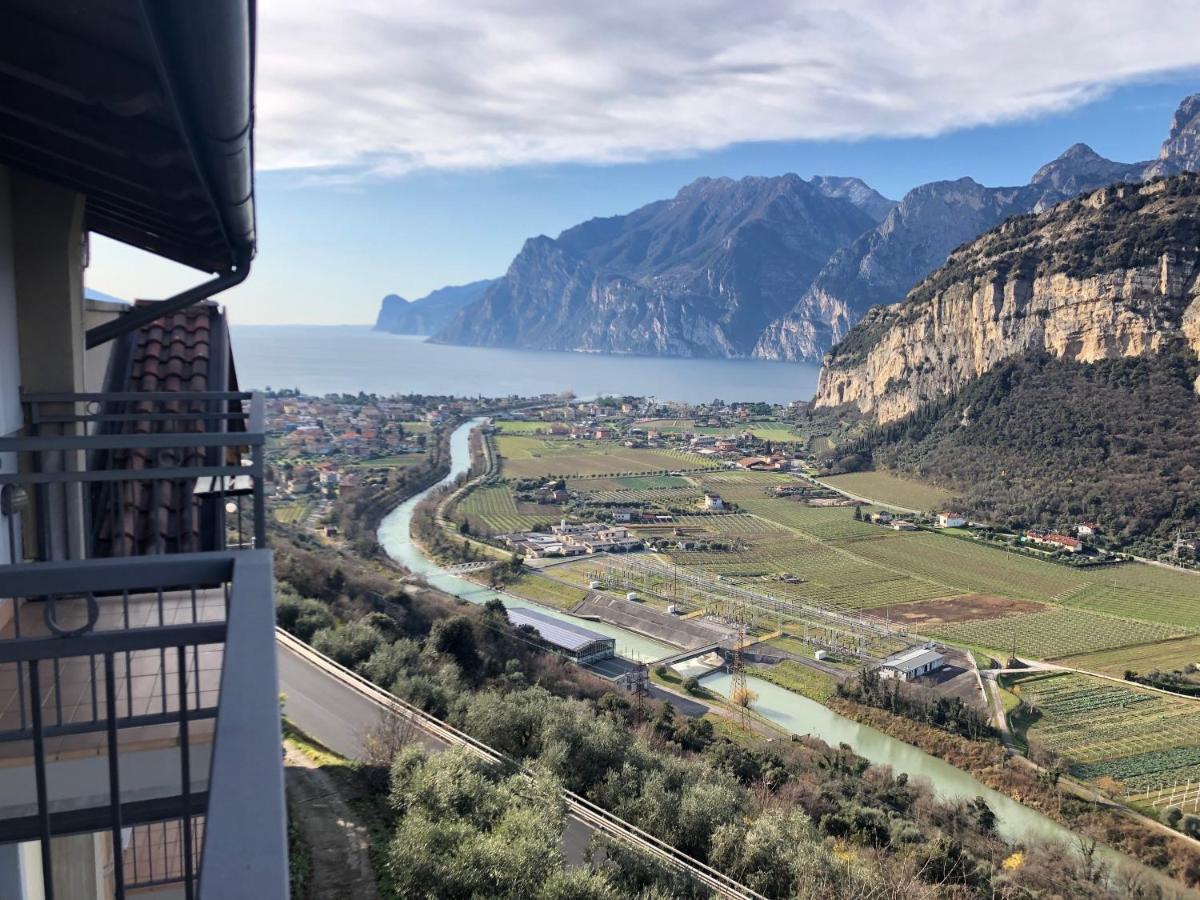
(1180, 152)
(855, 190)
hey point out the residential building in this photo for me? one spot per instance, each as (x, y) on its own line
(950, 520)
(139, 711)
(1055, 540)
(713, 502)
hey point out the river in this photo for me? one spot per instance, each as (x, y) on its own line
(793, 713)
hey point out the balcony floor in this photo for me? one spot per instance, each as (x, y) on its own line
(73, 689)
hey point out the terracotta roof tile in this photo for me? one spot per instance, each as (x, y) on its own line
(169, 354)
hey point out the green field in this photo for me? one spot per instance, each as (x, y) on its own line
(1168, 656)
(527, 457)
(1055, 632)
(1139, 738)
(492, 504)
(851, 564)
(800, 678)
(292, 513)
(512, 426)
(399, 461)
(545, 590)
(415, 427)
(885, 488)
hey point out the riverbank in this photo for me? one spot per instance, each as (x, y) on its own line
(1017, 820)
(1059, 798)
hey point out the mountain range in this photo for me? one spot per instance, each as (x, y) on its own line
(430, 313)
(1048, 372)
(770, 267)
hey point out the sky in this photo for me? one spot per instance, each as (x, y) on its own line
(404, 147)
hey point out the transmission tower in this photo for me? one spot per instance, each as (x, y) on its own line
(738, 689)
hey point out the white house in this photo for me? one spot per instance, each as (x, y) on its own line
(912, 663)
(950, 520)
(713, 501)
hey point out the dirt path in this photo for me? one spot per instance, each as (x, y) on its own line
(341, 862)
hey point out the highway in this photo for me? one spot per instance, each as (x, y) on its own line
(337, 707)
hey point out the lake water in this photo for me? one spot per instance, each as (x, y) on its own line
(351, 358)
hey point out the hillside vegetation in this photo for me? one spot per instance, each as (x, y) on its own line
(1039, 441)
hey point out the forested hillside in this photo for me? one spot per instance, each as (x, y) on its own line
(1040, 441)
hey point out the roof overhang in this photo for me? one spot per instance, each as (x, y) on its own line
(146, 108)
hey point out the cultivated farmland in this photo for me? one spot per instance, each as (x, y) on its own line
(1054, 633)
(1141, 739)
(887, 488)
(526, 457)
(492, 504)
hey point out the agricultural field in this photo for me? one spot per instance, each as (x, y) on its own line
(801, 679)
(1139, 739)
(545, 590)
(513, 426)
(885, 488)
(492, 504)
(293, 513)
(822, 555)
(529, 457)
(1053, 633)
(1169, 656)
(399, 461)
(669, 426)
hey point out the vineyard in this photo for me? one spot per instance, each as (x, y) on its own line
(512, 426)
(527, 457)
(1138, 738)
(492, 504)
(1054, 633)
(886, 488)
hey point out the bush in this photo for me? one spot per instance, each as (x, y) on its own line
(302, 616)
(348, 645)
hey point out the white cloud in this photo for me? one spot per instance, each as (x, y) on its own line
(372, 86)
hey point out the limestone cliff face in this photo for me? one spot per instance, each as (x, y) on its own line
(1116, 273)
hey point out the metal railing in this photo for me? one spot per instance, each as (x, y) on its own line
(161, 622)
(137, 473)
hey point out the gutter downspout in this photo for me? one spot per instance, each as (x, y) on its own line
(144, 315)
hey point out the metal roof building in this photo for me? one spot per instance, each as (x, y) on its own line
(912, 663)
(579, 643)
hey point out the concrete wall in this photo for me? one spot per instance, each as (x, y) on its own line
(95, 367)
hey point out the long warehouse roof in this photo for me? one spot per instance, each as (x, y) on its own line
(555, 631)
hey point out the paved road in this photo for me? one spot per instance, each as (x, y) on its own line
(339, 717)
(324, 708)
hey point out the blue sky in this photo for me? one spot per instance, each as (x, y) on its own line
(341, 222)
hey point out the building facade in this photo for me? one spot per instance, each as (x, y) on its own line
(139, 713)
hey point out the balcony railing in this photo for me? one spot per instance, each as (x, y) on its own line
(131, 474)
(143, 690)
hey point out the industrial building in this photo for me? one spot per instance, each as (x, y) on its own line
(912, 663)
(566, 638)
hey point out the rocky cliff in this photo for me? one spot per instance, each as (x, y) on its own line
(933, 219)
(1108, 275)
(698, 275)
(776, 268)
(430, 313)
